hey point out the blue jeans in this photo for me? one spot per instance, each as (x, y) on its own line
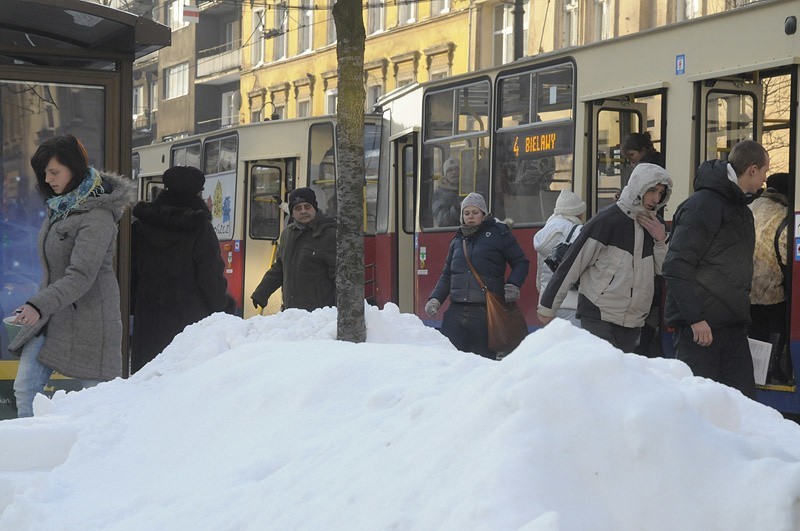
(32, 376)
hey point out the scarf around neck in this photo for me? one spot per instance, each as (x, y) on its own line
(61, 205)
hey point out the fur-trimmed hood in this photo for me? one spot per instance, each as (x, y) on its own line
(119, 193)
(171, 216)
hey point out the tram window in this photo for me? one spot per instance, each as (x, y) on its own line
(451, 170)
(613, 170)
(730, 118)
(220, 155)
(408, 177)
(135, 165)
(186, 155)
(538, 96)
(322, 166)
(372, 185)
(265, 191)
(534, 143)
(457, 111)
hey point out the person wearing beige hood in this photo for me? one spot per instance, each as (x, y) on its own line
(616, 258)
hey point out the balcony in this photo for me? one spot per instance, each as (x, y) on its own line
(215, 124)
(144, 119)
(222, 62)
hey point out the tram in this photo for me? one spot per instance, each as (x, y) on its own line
(519, 134)
(250, 170)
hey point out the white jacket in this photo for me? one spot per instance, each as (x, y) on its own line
(554, 232)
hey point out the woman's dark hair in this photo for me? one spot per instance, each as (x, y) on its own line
(747, 153)
(637, 142)
(67, 150)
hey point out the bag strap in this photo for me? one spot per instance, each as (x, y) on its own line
(471, 268)
(571, 232)
(784, 224)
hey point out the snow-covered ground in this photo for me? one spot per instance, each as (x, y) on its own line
(270, 424)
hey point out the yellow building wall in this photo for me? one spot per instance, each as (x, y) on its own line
(413, 52)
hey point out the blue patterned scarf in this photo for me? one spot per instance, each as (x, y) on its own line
(61, 205)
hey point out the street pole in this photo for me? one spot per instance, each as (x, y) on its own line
(519, 13)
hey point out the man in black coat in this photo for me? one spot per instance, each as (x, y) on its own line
(305, 267)
(709, 268)
(178, 273)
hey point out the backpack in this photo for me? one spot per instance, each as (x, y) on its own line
(555, 258)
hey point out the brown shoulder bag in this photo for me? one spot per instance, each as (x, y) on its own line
(507, 326)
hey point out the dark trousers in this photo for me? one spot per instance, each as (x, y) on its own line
(621, 337)
(727, 360)
(465, 326)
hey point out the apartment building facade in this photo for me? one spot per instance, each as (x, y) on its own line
(239, 62)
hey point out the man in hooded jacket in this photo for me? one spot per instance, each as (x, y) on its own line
(615, 259)
(709, 268)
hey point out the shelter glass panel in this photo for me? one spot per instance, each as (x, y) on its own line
(32, 113)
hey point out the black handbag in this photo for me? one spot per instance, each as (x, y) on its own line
(555, 258)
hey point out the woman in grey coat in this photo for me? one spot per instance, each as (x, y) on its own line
(73, 324)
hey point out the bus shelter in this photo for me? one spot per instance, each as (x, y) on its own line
(66, 66)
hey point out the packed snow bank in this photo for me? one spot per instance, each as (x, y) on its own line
(269, 423)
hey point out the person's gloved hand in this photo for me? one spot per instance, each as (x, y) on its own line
(432, 308)
(511, 292)
(257, 303)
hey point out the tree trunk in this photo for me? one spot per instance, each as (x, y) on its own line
(348, 16)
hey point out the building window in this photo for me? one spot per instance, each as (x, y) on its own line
(257, 45)
(176, 81)
(331, 99)
(375, 14)
(408, 12)
(570, 23)
(303, 108)
(138, 101)
(373, 93)
(503, 32)
(279, 112)
(154, 95)
(175, 14)
(601, 25)
(305, 26)
(440, 6)
(331, 37)
(230, 114)
(279, 41)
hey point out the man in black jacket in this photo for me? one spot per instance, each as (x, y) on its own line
(305, 267)
(177, 274)
(709, 268)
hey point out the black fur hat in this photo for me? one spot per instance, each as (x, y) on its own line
(184, 179)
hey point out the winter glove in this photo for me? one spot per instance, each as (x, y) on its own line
(257, 303)
(432, 308)
(511, 292)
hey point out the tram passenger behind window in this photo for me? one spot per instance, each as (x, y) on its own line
(446, 205)
(768, 290)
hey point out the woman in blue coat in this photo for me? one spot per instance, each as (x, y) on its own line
(490, 245)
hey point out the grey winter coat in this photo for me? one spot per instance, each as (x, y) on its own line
(79, 294)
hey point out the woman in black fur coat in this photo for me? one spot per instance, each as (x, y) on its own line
(177, 273)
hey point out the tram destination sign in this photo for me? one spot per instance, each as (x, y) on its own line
(538, 142)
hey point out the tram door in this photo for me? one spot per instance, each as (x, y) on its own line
(404, 151)
(268, 183)
(614, 119)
